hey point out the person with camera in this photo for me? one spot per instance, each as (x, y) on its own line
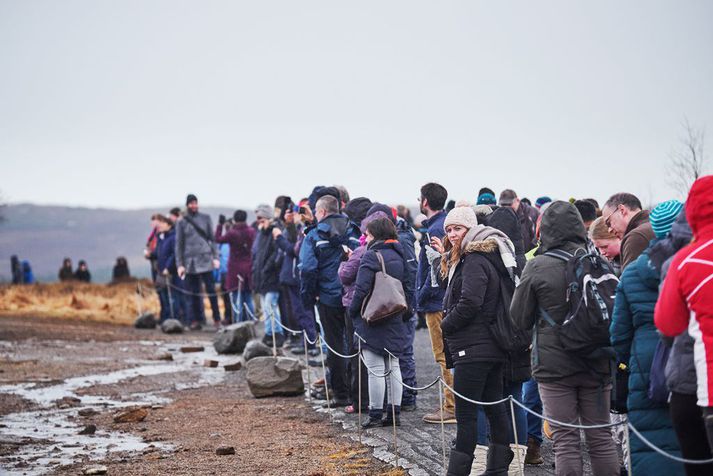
(389, 334)
(196, 257)
(265, 277)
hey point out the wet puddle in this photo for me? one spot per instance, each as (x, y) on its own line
(48, 437)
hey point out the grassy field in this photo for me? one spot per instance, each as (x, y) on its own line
(119, 303)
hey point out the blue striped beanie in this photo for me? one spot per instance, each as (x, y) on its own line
(663, 216)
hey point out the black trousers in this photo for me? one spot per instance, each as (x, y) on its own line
(687, 419)
(481, 381)
(195, 299)
(334, 326)
(356, 366)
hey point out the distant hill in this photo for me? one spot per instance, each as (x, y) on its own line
(44, 235)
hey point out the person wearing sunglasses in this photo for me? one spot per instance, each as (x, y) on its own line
(623, 216)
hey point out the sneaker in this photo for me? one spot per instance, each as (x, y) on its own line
(435, 417)
(318, 383)
(313, 352)
(371, 422)
(196, 326)
(297, 349)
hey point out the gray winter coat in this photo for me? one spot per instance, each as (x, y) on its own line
(194, 252)
(543, 285)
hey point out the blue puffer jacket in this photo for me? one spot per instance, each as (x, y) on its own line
(634, 338)
(320, 256)
(165, 251)
(390, 333)
(429, 295)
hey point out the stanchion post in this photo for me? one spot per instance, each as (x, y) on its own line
(324, 377)
(393, 408)
(359, 389)
(443, 426)
(514, 435)
(138, 297)
(170, 295)
(309, 377)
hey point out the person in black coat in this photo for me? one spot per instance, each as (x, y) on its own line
(389, 334)
(82, 274)
(472, 266)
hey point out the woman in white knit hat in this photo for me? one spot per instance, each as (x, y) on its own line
(475, 261)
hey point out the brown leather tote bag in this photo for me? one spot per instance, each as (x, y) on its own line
(387, 297)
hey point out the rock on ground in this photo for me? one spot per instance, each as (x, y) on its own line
(172, 326)
(255, 348)
(234, 338)
(275, 376)
(131, 416)
(146, 320)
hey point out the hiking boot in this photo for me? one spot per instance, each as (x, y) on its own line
(411, 407)
(499, 459)
(389, 418)
(533, 455)
(371, 422)
(459, 464)
(435, 417)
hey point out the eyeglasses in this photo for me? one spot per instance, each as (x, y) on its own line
(607, 220)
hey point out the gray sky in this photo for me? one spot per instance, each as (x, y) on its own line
(136, 103)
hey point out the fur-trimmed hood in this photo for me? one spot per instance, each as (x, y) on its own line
(485, 246)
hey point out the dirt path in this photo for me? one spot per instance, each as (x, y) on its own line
(52, 370)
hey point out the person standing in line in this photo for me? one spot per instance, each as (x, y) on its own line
(429, 295)
(82, 274)
(383, 251)
(572, 389)
(686, 299)
(66, 273)
(240, 237)
(624, 217)
(196, 257)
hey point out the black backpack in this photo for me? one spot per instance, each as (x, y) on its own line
(506, 335)
(591, 289)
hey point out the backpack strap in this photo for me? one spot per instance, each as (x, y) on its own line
(545, 316)
(559, 254)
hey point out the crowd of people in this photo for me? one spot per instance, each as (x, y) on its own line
(581, 312)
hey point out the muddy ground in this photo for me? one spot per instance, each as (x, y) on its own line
(51, 370)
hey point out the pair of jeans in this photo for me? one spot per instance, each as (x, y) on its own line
(580, 399)
(195, 298)
(481, 381)
(531, 399)
(407, 362)
(171, 300)
(514, 389)
(241, 299)
(433, 321)
(379, 365)
(332, 320)
(271, 309)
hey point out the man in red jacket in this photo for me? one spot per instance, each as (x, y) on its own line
(686, 300)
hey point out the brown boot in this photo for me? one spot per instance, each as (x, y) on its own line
(533, 455)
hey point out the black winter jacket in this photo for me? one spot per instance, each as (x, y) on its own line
(470, 304)
(266, 267)
(543, 284)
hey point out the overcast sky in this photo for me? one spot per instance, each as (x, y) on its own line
(136, 103)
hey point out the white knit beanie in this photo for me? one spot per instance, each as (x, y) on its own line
(464, 216)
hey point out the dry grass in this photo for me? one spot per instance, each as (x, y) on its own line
(91, 302)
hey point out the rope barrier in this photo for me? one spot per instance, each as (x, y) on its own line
(512, 401)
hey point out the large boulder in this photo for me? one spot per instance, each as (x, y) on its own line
(145, 321)
(234, 338)
(275, 376)
(255, 348)
(172, 326)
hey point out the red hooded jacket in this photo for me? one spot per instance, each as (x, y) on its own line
(686, 300)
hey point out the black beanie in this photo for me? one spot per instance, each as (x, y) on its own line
(191, 198)
(380, 207)
(357, 209)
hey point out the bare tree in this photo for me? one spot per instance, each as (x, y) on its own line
(687, 161)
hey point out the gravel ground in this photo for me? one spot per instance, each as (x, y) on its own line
(52, 370)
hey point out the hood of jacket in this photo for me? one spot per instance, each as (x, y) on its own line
(699, 207)
(333, 226)
(647, 272)
(665, 248)
(386, 245)
(562, 227)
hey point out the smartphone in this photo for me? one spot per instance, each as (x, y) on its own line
(302, 210)
(428, 237)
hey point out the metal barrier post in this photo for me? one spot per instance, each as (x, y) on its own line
(309, 376)
(393, 408)
(324, 377)
(138, 297)
(272, 327)
(170, 296)
(359, 389)
(514, 435)
(443, 426)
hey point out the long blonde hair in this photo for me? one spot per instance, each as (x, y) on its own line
(450, 258)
